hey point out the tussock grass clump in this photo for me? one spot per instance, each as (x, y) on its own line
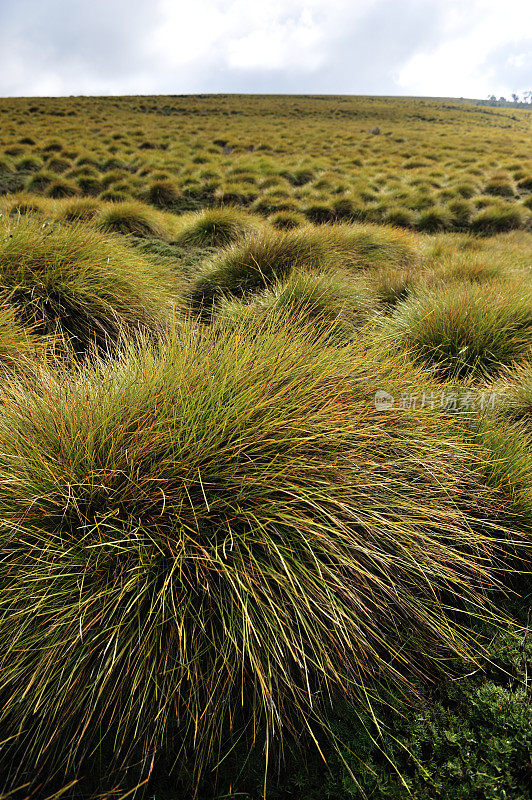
(219, 533)
(473, 267)
(497, 219)
(261, 259)
(89, 185)
(514, 392)
(403, 217)
(329, 300)
(500, 187)
(465, 329)
(163, 193)
(215, 227)
(461, 212)
(62, 188)
(254, 264)
(130, 217)
(391, 285)
(434, 219)
(75, 280)
(7, 165)
(365, 246)
(23, 203)
(334, 303)
(318, 213)
(58, 165)
(525, 183)
(84, 209)
(17, 345)
(30, 163)
(507, 463)
(286, 220)
(40, 181)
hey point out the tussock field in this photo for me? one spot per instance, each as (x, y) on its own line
(265, 448)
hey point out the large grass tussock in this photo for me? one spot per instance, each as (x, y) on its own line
(217, 532)
(74, 281)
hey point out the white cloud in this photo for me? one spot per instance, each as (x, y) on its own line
(251, 34)
(295, 41)
(460, 65)
(430, 47)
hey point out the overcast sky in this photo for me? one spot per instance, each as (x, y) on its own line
(459, 48)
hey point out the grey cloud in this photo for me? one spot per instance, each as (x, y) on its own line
(515, 74)
(99, 47)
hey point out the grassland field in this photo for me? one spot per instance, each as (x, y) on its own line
(265, 448)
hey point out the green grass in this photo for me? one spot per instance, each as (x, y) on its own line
(77, 282)
(18, 348)
(215, 552)
(334, 303)
(215, 227)
(464, 329)
(218, 527)
(131, 218)
(255, 264)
